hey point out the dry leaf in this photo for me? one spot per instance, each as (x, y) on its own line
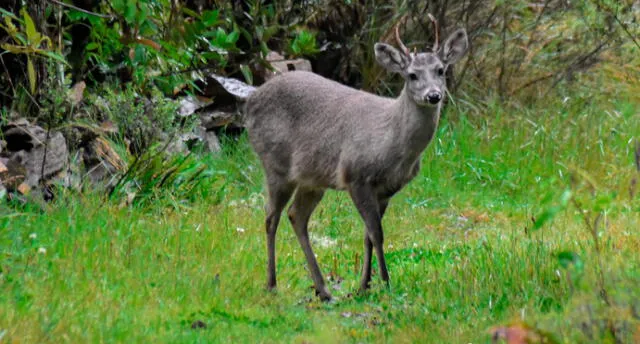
(77, 92)
(24, 188)
(518, 334)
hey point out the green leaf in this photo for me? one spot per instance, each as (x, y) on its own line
(75, 15)
(54, 56)
(545, 217)
(269, 32)
(32, 75)
(92, 46)
(190, 13)
(130, 12)
(32, 34)
(15, 49)
(568, 258)
(246, 72)
(232, 37)
(210, 18)
(551, 212)
(304, 43)
(8, 14)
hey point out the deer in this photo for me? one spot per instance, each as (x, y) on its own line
(312, 134)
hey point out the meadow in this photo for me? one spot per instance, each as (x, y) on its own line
(522, 219)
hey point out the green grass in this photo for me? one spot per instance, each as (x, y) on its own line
(461, 247)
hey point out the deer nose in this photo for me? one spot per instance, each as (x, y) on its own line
(434, 97)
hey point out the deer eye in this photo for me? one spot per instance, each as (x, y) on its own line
(413, 76)
(441, 71)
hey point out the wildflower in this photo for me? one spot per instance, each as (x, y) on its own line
(42, 250)
(33, 236)
(240, 230)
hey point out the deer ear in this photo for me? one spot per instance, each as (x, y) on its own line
(454, 47)
(390, 58)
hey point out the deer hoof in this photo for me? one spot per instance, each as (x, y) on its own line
(324, 295)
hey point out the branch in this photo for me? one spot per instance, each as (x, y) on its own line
(81, 10)
(615, 17)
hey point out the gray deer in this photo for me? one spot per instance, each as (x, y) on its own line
(313, 134)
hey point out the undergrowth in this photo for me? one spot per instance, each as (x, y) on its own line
(486, 235)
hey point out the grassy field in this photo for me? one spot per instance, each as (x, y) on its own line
(463, 251)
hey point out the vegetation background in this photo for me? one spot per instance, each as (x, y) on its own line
(521, 227)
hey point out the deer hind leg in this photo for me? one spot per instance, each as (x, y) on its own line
(279, 193)
(304, 202)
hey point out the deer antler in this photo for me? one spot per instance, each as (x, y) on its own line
(435, 29)
(401, 45)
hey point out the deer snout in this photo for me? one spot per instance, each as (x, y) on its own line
(433, 97)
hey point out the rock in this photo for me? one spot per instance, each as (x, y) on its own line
(21, 135)
(101, 162)
(201, 139)
(281, 65)
(28, 147)
(44, 161)
(210, 140)
(291, 65)
(190, 105)
(215, 119)
(180, 143)
(235, 87)
(12, 175)
(219, 104)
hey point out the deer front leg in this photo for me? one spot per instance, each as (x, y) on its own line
(369, 208)
(368, 248)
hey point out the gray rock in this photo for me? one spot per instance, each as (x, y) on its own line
(219, 105)
(235, 87)
(210, 140)
(43, 161)
(215, 119)
(199, 140)
(281, 65)
(101, 162)
(27, 146)
(180, 143)
(190, 105)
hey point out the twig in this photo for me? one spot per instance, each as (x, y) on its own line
(531, 37)
(81, 10)
(6, 70)
(503, 67)
(615, 17)
(579, 63)
(187, 70)
(531, 83)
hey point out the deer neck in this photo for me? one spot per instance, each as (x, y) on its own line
(416, 124)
